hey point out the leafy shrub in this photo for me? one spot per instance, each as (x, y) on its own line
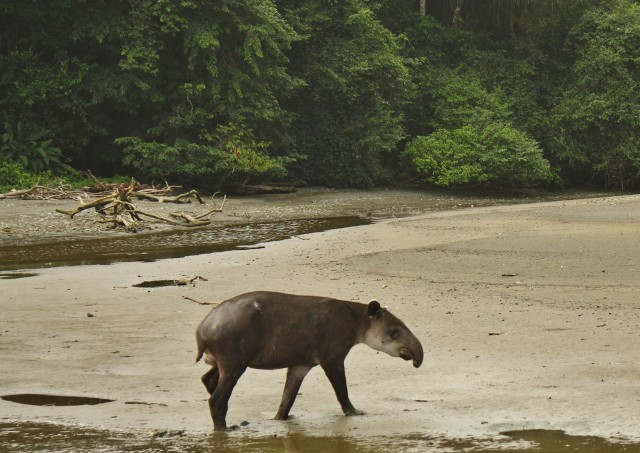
(14, 176)
(474, 140)
(229, 153)
(497, 154)
(32, 148)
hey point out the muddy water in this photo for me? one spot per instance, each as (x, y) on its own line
(34, 437)
(167, 244)
(37, 399)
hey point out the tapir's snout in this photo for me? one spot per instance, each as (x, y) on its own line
(417, 359)
(413, 351)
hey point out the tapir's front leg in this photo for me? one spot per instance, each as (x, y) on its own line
(335, 373)
(295, 376)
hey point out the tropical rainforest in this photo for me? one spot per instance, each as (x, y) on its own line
(338, 93)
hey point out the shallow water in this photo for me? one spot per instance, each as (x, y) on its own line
(40, 437)
(168, 244)
(16, 275)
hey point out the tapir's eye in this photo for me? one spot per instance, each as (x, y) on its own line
(394, 334)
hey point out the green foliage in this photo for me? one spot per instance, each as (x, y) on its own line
(475, 141)
(349, 115)
(236, 55)
(224, 107)
(91, 73)
(330, 92)
(230, 152)
(14, 176)
(33, 149)
(496, 154)
(598, 124)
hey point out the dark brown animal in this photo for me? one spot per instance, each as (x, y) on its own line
(269, 330)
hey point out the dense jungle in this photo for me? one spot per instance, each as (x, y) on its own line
(348, 93)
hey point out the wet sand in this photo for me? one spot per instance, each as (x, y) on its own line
(529, 314)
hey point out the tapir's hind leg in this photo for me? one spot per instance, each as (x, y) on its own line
(295, 375)
(219, 400)
(210, 379)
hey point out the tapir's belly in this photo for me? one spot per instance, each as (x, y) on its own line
(271, 358)
(266, 353)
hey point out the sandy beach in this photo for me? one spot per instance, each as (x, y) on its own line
(529, 316)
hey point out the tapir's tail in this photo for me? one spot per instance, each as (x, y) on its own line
(200, 348)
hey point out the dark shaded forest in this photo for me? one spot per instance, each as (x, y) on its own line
(339, 93)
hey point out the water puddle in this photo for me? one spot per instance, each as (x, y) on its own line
(41, 437)
(174, 282)
(15, 275)
(560, 442)
(37, 399)
(156, 284)
(169, 244)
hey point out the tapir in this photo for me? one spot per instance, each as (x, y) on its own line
(270, 330)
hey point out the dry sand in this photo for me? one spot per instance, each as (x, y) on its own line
(529, 315)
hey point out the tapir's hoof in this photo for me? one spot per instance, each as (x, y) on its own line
(223, 428)
(353, 412)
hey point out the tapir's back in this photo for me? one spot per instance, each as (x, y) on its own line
(275, 330)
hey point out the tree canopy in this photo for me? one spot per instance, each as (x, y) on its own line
(340, 93)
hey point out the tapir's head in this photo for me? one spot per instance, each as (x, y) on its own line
(388, 334)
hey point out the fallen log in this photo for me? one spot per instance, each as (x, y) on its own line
(98, 203)
(192, 221)
(182, 198)
(259, 189)
(38, 193)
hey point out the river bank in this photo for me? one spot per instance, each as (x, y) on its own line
(529, 316)
(34, 235)
(38, 221)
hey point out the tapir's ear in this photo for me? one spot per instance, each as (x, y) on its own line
(373, 310)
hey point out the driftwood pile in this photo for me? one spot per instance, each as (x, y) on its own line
(117, 208)
(114, 203)
(98, 190)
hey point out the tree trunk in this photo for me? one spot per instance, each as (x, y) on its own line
(456, 22)
(423, 7)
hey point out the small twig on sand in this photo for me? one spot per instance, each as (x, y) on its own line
(200, 303)
(188, 280)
